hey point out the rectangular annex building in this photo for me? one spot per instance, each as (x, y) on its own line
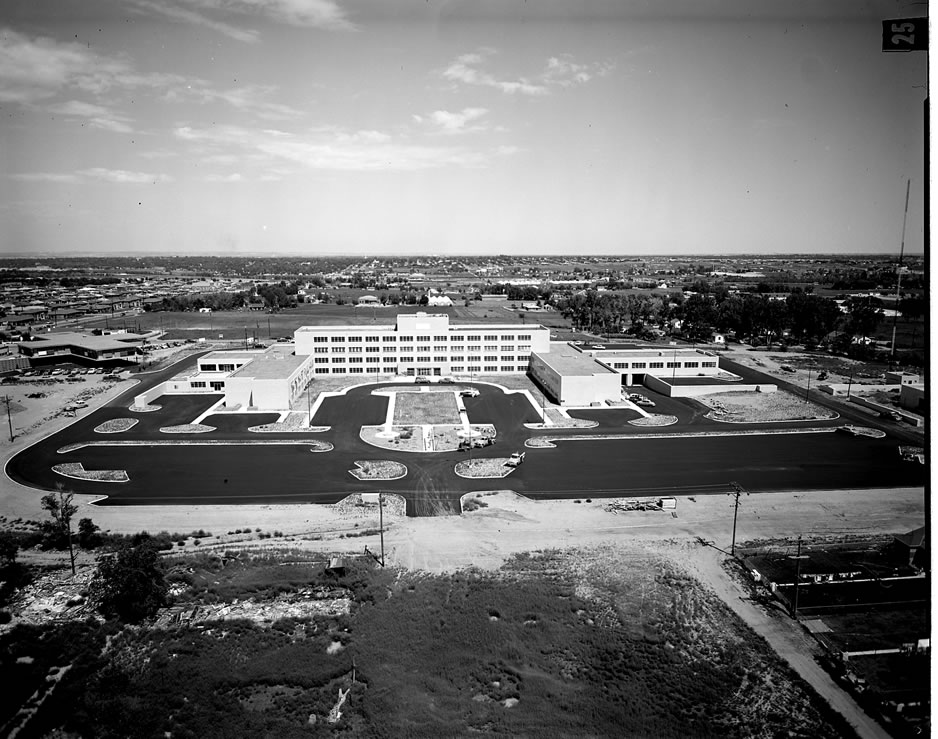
(421, 344)
(574, 378)
(70, 346)
(634, 363)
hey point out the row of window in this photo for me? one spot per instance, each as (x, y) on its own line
(660, 365)
(392, 339)
(491, 368)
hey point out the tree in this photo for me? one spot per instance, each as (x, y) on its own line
(8, 548)
(811, 316)
(131, 584)
(864, 315)
(88, 534)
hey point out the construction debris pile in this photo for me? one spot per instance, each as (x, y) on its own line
(301, 604)
(639, 504)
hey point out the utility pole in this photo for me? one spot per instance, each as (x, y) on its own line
(7, 400)
(808, 390)
(737, 491)
(798, 557)
(849, 384)
(381, 523)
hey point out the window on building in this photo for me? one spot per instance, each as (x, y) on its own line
(323, 370)
(334, 339)
(506, 348)
(491, 368)
(337, 360)
(208, 367)
(673, 365)
(439, 358)
(390, 369)
(390, 349)
(475, 337)
(423, 358)
(321, 350)
(507, 368)
(522, 368)
(656, 365)
(372, 370)
(524, 337)
(475, 368)
(355, 338)
(620, 365)
(439, 338)
(372, 360)
(423, 338)
(638, 365)
(388, 339)
(407, 359)
(423, 347)
(197, 384)
(407, 338)
(491, 337)
(371, 338)
(525, 347)
(457, 337)
(508, 358)
(475, 358)
(355, 360)
(355, 350)
(217, 386)
(457, 358)
(709, 364)
(321, 339)
(491, 357)
(457, 368)
(356, 370)
(226, 368)
(691, 364)
(338, 350)
(372, 349)
(491, 347)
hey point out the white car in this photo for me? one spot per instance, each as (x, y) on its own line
(469, 392)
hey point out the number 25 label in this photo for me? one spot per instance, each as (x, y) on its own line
(903, 33)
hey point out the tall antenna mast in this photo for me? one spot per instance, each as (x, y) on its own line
(895, 318)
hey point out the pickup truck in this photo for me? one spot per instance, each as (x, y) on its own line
(515, 459)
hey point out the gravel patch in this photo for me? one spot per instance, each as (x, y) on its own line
(752, 407)
(77, 471)
(187, 428)
(493, 467)
(144, 408)
(381, 469)
(654, 420)
(115, 425)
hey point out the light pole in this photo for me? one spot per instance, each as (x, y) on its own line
(381, 523)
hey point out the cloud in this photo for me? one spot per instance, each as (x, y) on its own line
(457, 122)
(250, 98)
(185, 15)
(323, 14)
(464, 69)
(36, 68)
(119, 176)
(331, 148)
(97, 115)
(122, 176)
(559, 71)
(235, 177)
(46, 177)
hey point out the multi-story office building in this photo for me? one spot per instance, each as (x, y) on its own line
(421, 344)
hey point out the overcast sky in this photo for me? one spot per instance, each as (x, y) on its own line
(399, 126)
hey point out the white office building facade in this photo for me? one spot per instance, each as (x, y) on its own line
(421, 344)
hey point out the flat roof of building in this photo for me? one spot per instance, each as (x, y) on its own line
(645, 352)
(218, 356)
(568, 362)
(391, 328)
(274, 364)
(73, 338)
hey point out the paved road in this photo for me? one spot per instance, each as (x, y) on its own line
(197, 472)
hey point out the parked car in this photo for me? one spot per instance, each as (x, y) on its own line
(447, 380)
(479, 443)
(647, 402)
(469, 392)
(786, 368)
(422, 380)
(891, 415)
(848, 430)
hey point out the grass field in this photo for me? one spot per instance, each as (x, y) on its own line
(609, 642)
(426, 407)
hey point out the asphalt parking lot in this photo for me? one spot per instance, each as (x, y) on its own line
(189, 470)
